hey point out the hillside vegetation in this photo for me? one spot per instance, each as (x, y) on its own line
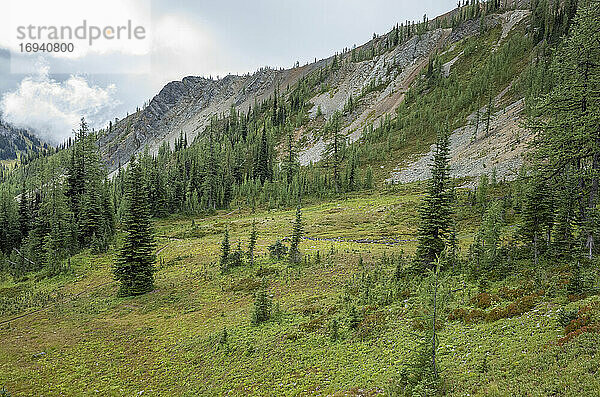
(193, 334)
(225, 265)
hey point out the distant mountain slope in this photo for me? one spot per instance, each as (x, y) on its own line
(187, 106)
(380, 81)
(15, 141)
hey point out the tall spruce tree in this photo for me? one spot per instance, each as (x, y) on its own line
(335, 148)
(537, 216)
(84, 179)
(262, 304)
(24, 215)
(252, 242)
(134, 268)
(225, 251)
(296, 237)
(262, 171)
(436, 212)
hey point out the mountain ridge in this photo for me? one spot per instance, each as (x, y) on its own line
(187, 106)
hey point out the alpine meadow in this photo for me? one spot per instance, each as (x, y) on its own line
(418, 215)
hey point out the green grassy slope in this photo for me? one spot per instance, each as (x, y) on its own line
(169, 342)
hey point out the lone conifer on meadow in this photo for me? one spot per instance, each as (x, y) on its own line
(134, 268)
(436, 212)
(296, 236)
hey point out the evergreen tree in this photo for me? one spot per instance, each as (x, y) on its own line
(262, 304)
(368, 184)
(9, 228)
(537, 215)
(24, 215)
(85, 175)
(335, 148)
(262, 162)
(296, 237)
(569, 139)
(134, 268)
(252, 242)
(563, 237)
(487, 241)
(210, 182)
(436, 212)
(225, 251)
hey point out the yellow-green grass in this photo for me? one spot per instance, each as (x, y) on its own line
(167, 342)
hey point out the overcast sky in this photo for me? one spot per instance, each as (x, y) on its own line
(188, 37)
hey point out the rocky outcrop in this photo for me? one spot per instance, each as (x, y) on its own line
(502, 149)
(187, 106)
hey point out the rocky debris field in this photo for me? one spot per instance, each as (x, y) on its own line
(502, 149)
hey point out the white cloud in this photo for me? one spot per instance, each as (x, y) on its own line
(54, 108)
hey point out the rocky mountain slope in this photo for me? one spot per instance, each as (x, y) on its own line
(187, 106)
(15, 141)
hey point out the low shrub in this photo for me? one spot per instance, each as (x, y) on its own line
(483, 300)
(475, 316)
(586, 320)
(278, 250)
(458, 314)
(566, 316)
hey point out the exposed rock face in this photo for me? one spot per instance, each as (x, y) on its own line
(502, 148)
(15, 140)
(187, 106)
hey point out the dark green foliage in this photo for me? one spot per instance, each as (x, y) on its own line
(262, 168)
(225, 251)
(565, 316)
(252, 242)
(134, 267)
(297, 232)
(563, 241)
(236, 258)
(85, 190)
(436, 212)
(576, 283)
(485, 249)
(421, 375)
(567, 118)
(335, 149)
(223, 338)
(49, 216)
(230, 260)
(537, 216)
(262, 305)
(9, 223)
(278, 250)
(290, 161)
(334, 330)
(482, 192)
(551, 20)
(354, 318)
